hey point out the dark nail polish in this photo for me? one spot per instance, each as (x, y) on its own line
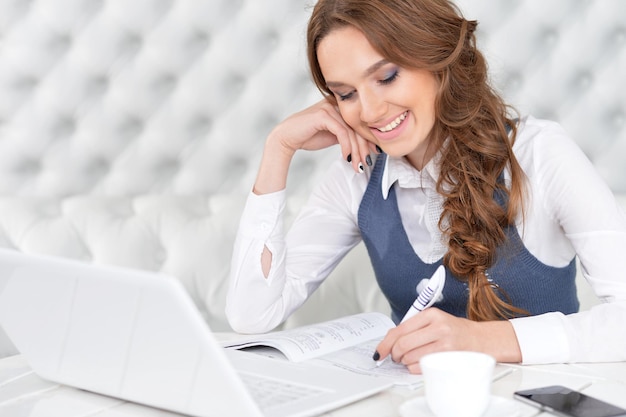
(376, 356)
(368, 159)
(379, 149)
(349, 158)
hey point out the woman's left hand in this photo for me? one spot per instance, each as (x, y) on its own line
(434, 330)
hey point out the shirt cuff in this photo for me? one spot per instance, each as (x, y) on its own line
(262, 214)
(542, 339)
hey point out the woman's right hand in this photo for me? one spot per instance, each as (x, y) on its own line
(316, 127)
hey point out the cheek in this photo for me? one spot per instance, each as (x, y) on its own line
(350, 115)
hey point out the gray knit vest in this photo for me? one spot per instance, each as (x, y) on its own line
(530, 284)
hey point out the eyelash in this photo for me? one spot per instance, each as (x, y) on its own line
(386, 81)
(391, 78)
(345, 96)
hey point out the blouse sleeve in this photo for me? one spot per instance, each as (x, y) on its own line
(581, 203)
(321, 235)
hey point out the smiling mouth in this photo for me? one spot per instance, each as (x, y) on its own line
(395, 123)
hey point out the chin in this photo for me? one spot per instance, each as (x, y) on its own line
(395, 150)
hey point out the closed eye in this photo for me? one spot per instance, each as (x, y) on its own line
(389, 78)
(344, 97)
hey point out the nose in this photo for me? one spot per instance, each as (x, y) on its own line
(373, 107)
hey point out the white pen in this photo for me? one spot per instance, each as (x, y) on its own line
(425, 299)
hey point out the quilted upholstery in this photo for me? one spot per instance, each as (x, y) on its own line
(130, 132)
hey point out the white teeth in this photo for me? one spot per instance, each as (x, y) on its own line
(393, 124)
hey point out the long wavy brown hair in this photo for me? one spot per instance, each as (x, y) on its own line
(471, 128)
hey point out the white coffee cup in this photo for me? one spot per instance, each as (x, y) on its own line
(458, 384)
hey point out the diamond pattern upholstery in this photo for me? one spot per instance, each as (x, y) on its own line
(130, 132)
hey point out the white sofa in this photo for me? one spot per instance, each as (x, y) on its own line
(130, 131)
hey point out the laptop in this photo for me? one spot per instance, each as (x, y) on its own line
(138, 336)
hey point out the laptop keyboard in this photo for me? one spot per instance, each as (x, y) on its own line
(269, 392)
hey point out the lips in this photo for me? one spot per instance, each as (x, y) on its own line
(393, 124)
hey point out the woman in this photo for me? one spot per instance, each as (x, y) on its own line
(435, 170)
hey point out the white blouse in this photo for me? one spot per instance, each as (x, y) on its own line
(569, 211)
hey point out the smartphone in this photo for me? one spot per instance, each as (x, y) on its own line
(565, 402)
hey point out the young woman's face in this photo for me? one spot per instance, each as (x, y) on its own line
(390, 106)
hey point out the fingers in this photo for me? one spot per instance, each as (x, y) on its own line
(384, 347)
(407, 343)
(359, 157)
(352, 145)
(414, 368)
(355, 149)
(364, 150)
(398, 342)
(411, 358)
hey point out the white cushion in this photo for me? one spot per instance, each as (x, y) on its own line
(130, 132)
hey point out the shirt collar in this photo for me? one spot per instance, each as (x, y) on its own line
(401, 171)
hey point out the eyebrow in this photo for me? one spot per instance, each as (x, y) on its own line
(369, 71)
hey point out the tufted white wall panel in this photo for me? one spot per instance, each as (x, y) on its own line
(563, 60)
(130, 132)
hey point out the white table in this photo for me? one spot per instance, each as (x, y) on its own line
(24, 394)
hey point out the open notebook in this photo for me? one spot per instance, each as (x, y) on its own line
(138, 336)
